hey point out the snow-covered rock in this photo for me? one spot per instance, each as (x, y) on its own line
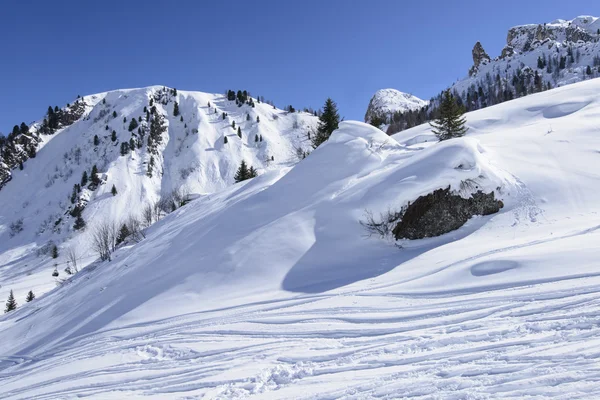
(386, 102)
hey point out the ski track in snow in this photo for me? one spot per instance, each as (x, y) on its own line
(541, 338)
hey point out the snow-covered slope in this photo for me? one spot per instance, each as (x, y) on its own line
(190, 157)
(386, 102)
(269, 289)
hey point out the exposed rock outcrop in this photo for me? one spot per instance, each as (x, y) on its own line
(441, 212)
(479, 57)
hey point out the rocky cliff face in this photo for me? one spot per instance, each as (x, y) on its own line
(479, 57)
(527, 37)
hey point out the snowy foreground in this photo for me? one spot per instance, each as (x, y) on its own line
(269, 289)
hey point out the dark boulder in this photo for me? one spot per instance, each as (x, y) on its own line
(441, 212)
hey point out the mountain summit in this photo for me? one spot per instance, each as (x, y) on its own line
(386, 102)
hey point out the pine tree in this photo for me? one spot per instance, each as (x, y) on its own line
(176, 109)
(113, 136)
(11, 303)
(132, 124)
(96, 140)
(588, 70)
(255, 138)
(451, 122)
(54, 251)
(124, 119)
(225, 139)
(30, 296)
(239, 132)
(124, 148)
(328, 122)
(252, 173)
(257, 119)
(113, 190)
(233, 124)
(95, 179)
(248, 117)
(123, 234)
(84, 178)
(242, 173)
(150, 167)
(79, 223)
(114, 114)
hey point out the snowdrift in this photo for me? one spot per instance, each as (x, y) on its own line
(269, 288)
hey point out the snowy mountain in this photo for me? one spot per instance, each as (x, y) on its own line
(270, 289)
(536, 58)
(153, 157)
(386, 102)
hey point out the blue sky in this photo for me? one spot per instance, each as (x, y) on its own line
(295, 53)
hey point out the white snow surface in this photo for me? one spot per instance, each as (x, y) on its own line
(268, 289)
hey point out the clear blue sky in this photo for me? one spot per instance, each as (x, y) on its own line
(295, 53)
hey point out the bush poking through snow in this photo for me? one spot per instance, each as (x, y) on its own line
(104, 238)
(384, 226)
(16, 227)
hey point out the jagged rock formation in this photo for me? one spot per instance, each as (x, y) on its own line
(479, 57)
(441, 212)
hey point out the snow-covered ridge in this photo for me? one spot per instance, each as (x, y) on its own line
(197, 154)
(386, 102)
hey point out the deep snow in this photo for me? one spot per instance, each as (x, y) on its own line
(269, 289)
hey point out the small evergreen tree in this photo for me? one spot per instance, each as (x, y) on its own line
(255, 138)
(242, 173)
(84, 178)
(451, 122)
(252, 173)
(239, 133)
(11, 303)
(328, 122)
(96, 140)
(30, 296)
(114, 114)
(113, 190)
(95, 179)
(79, 223)
(248, 117)
(132, 124)
(233, 124)
(176, 109)
(123, 234)
(124, 148)
(225, 139)
(113, 136)
(54, 251)
(257, 119)
(588, 70)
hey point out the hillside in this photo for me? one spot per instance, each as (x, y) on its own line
(160, 160)
(270, 289)
(536, 58)
(387, 102)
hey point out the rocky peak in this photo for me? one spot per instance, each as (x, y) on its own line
(479, 57)
(386, 102)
